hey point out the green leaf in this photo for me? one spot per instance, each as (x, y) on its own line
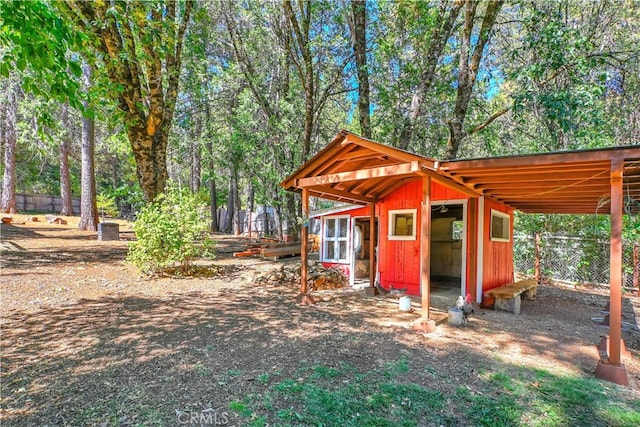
(75, 68)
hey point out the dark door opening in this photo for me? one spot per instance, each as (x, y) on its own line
(447, 246)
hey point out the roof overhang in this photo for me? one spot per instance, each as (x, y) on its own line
(357, 170)
(572, 182)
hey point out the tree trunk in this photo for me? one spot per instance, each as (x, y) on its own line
(251, 197)
(88, 206)
(228, 226)
(236, 202)
(468, 69)
(301, 36)
(8, 203)
(65, 178)
(359, 28)
(145, 65)
(214, 204)
(439, 36)
(196, 166)
(212, 176)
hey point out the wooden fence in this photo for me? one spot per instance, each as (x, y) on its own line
(43, 203)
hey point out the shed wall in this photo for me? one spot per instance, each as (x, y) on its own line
(497, 257)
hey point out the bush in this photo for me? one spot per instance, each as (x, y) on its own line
(173, 229)
(106, 205)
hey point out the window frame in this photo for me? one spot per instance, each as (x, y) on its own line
(392, 223)
(336, 239)
(506, 229)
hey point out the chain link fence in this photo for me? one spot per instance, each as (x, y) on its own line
(573, 259)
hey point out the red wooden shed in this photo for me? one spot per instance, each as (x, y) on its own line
(421, 218)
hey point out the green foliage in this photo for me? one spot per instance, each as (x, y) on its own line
(106, 205)
(172, 229)
(35, 40)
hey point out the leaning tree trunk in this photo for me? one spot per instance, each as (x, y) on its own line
(65, 179)
(468, 69)
(88, 206)
(8, 203)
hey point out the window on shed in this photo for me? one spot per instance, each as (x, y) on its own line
(336, 232)
(402, 224)
(500, 222)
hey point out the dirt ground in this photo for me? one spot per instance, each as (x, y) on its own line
(81, 330)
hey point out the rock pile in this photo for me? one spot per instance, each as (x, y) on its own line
(318, 278)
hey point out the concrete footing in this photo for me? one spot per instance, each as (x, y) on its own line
(424, 325)
(371, 291)
(305, 299)
(612, 372)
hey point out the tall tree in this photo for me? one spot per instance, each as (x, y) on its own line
(468, 68)
(445, 15)
(65, 175)
(141, 46)
(88, 205)
(320, 67)
(8, 202)
(359, 39)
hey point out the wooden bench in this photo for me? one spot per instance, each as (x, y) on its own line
(508, 297)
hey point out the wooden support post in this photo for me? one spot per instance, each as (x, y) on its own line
(472, 244)
(304, 298)
(611, 369)
(372, 290)
(424, 324)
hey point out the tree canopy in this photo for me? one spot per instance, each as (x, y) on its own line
(239, 94)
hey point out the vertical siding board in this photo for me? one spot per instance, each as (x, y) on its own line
(497, 256)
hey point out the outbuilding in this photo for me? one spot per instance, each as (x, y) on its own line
(418, 220)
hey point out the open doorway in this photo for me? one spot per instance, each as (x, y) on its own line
(361, 264)
(448, 248)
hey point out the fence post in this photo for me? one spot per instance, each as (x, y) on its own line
(536, 265)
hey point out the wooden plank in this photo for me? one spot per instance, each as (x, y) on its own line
(379, 172)
(277, 252)
(513, 289)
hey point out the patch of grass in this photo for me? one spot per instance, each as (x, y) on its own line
(234, 373)
(263, 378)
(202, 370)
(325, 395)
(540, 398)
(240, 408)
(343, 396)
(400, 366)
(321, 371)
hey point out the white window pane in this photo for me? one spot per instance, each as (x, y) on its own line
(331, 250)
(343, 250)
(344, 224)
(330, 228)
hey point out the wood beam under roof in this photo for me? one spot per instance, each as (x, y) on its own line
(558, 159)
(361, 174)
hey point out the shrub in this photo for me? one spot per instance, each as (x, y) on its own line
(173, 229)
(106, 205)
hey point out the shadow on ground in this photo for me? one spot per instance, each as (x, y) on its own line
(144, 361)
